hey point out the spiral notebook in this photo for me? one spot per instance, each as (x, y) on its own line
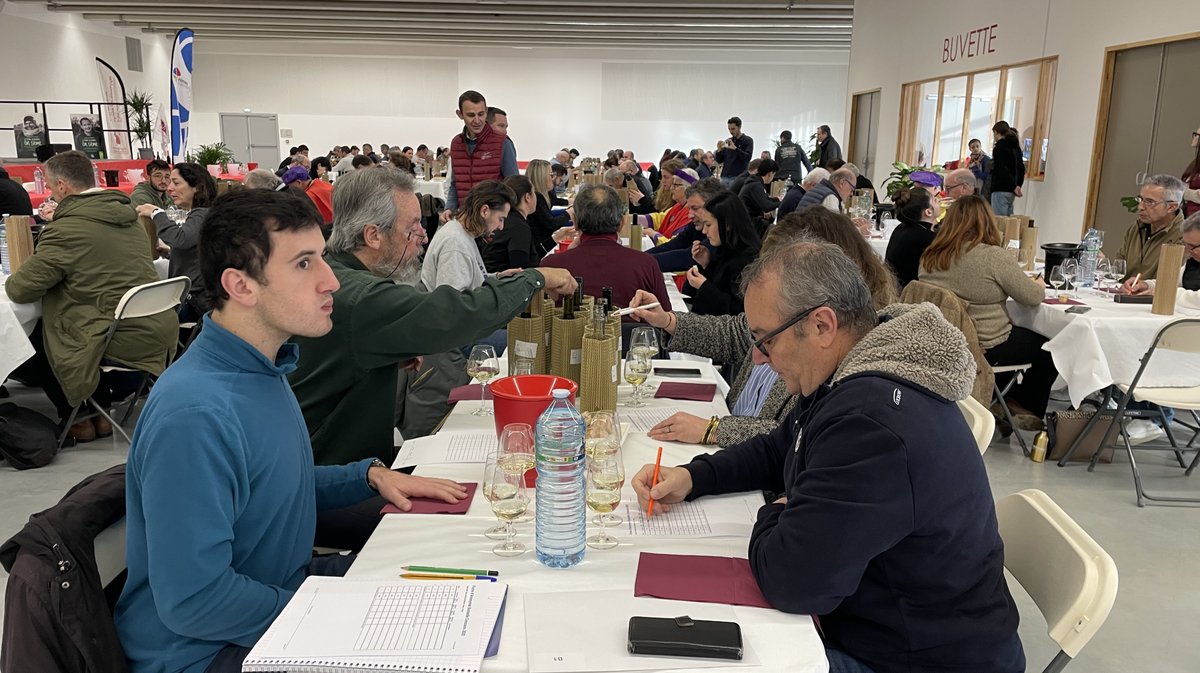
(343, 625)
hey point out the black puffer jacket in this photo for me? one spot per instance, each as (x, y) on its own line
(56, 617)
(1008, 165)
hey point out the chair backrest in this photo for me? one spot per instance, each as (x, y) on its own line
(954, 310)
(1181, 335)
(152, 298)
(980, 420)
(110, 552)
(1070, 577)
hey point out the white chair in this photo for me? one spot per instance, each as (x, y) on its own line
(998, 393)
(980, 420)
(110, 552)
(138, 302)
(1072, 579)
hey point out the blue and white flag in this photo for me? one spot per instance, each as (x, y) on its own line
(181, 94)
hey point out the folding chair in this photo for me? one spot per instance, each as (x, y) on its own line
(1182, 336)
(999, 393)
(1070, 577)
(980, 420)
(139, 302)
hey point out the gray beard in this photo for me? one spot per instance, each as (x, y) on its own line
(408, 273)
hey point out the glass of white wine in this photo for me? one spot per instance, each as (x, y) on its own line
(1056, 281)
(644, 340)
(506, 492)
(497, 532)
(605, 477)
(517, 454)
(602, 440)
(637, 370)
(482, 365)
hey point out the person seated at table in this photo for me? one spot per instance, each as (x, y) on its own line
(600, 259)
(754, 194)
(512, 246)
(831, 193)
(837, 229)
(453, 256)
(959, 182)
(917, 211)
(261, 178)
(733, 244)
(736, 183)
(662, 227)
(1159, 219)
(1188, 295)
(14, 200)
(878, 473)
(222, 497)
(791, 200)
(320, 169)
(666, 170)
(347, 382)
(676, 254)
(362, 161)
(542, 221)
(192, 190)
(558, 175)
(300, 181)
(153, 189)
(82, 266)
(968, 257)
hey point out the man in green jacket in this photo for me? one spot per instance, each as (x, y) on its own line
(154, 189)
(346, 380)
(84, 263)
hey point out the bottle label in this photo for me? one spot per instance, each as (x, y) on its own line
(560, 460)
(576, 356)
(525, 349)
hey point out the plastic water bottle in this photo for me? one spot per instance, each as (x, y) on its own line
(561, 512)
(1089, 257)
(3, 250)
(39, 181)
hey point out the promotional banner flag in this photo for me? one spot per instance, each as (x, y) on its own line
(181, 94)
(112, 91)
(164, 131)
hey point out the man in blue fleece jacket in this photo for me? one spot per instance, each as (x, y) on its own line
(886, 527)
(221, 491)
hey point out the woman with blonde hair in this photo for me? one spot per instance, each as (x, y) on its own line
(542, 221)
(662, 198)
(968, 257)
(836, 228)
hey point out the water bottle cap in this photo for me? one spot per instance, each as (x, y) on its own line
(560, 393)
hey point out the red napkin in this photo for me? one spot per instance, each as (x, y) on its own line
(467, 393)
(704, 579)
(1056, 302)
(434, 505)
(700, 392)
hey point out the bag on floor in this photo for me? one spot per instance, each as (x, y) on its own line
(1062, 427)
(27, 439)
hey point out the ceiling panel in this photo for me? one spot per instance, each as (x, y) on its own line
(665, 24)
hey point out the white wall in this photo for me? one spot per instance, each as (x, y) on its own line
(350, 94)
(52, 56)
(896, 42)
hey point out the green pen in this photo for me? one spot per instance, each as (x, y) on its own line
(450, 571)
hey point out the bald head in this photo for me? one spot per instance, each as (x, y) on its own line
(563, 157)
(843, 180)
(959, 182)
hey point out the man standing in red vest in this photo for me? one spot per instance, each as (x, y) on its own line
(478, 153)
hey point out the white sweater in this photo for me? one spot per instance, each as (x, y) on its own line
(1183, 298)
(452, 259)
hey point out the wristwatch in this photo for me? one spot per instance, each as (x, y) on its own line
(375, 463)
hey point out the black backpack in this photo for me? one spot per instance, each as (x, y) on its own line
(27, 439)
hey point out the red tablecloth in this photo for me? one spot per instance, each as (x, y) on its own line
(38, 199)
(25, 171)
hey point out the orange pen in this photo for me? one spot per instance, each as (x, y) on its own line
(654, 481)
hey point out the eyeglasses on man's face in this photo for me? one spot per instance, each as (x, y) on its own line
(1150, 203)
(762, 343)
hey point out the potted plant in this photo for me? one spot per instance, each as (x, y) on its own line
(139, 103)
(209, 155)
(901, 177)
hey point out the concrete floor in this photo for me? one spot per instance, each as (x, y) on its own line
(1152, 626)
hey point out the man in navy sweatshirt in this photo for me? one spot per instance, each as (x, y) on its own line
(221, 492)
(885, 528)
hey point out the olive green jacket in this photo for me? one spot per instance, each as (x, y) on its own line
(85, 261)
(346, 380)
(1140, 248)
(146, 193)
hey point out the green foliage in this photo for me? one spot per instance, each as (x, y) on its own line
(140, 103)
(898, 180)
(208, 155)
(815, 153)
(1130, 203)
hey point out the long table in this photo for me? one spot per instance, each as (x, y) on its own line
(1104, 346)
(781, 642)
(16, 323)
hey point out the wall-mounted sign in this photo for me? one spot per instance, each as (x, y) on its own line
(970, 44)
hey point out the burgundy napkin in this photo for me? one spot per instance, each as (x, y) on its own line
(468, 393)
(434, 505)
(704, 579)
(1055, 302)
(700, 392)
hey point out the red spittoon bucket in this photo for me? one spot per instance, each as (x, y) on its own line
(521, 399)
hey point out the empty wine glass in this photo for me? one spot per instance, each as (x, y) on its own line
(509, 498)
(482, 365)
(637, 370)
(1103, 275)
(1116, 269)
(1070, 270)
(605, 478)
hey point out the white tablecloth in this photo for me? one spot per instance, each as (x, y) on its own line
(782, 642)
(16, 323)
(435, 188)
(1104, 346)
(879, 245)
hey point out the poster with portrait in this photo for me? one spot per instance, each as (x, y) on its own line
(89, 137)
(30, 134)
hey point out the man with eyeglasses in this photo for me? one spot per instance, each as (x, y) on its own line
(1159, 221)
(885, 526)
(959, 183)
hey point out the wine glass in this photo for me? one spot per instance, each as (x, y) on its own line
(506, 491)
(1057, 280)
(605, 477)
(1070, 270)
(522, 367)
(637, 370)
(516, 452)
(497, 532)
(482, 365)
(1103, 273)
(1025, 258)
(644, 340)
(1116, 270)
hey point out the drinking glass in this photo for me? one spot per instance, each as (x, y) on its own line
(602, 433)
(645, 341)
(1070, 270)
(516, 453)
(506, 492)
(482, 365)
(1116, 267)
(605, 477)
(1026, 259)
(522, 367)
(1103, 274)
(637, 370)
(497, 532)
(1057, 280)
